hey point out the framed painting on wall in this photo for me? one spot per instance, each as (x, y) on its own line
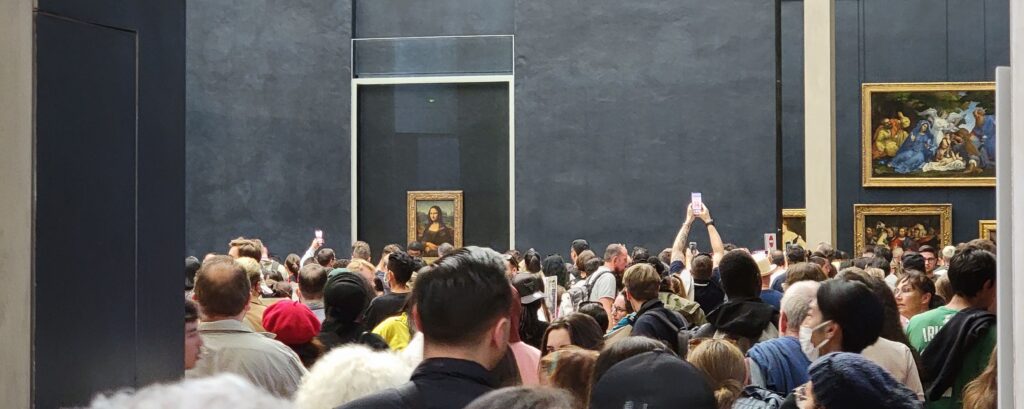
(987, 230)
(434, 218)
(928, 134)
(794, 227)
(902, 227)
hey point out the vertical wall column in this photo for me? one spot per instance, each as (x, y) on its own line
(1010, 194)
(819, 120)
(16, 202)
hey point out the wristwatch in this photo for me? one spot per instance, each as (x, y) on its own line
(710, 222)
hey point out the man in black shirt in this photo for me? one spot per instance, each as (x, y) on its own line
(399, 270)
(461, 306)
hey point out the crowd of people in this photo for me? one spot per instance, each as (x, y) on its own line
(728, 328)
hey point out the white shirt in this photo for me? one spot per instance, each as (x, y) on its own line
(898, 360)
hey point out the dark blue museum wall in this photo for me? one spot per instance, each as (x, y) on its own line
(792, 28)
(625, 108)
(905, 41)
(109, 178)
(622, 110)
(268, 123)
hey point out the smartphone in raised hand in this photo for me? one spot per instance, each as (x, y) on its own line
(319, 234)
(696, 203)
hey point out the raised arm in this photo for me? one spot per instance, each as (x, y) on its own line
(717, 248)
(679, 245)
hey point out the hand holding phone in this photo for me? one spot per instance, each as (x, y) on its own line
(319, 234)
(696, 203)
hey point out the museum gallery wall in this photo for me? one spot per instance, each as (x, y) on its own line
(611, 137)
(878, 50)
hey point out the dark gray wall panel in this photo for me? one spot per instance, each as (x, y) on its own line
(268, 123)
(404, 18)
(623, 109)
(870, 60)
(110, 120)
(793, 104)
(85, 175)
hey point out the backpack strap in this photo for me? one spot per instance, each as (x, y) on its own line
(410, 396)
(590, 283)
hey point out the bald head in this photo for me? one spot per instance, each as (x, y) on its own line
(796, 303)
(222, 288)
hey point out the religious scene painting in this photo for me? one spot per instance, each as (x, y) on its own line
(435, 218)
(928, 134)
(903, 227)
(987, 230)
(794, 227)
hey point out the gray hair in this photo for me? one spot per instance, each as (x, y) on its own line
(225, 391)
(445, 249)
(525, 398)
(372, 372)
(796, 302)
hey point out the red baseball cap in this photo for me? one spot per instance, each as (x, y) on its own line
(292, 321)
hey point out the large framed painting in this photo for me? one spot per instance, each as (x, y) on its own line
(928, 134)
(902, 227)
(987, 230)
(794, 227)
(434, 218)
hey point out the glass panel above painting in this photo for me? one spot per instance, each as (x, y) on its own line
(928, 134)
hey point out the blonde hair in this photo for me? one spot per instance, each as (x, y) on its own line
(252, 270)
(981, 392)
(724, 365)
(875, 272)
(642, 281)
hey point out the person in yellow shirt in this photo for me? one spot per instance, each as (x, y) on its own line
(396, 331)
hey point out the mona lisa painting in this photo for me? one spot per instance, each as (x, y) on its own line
(435, 218)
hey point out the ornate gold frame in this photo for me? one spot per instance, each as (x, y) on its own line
(790, 213)
(415, 196)
(985, 226)
(944, 211)
(866, 129)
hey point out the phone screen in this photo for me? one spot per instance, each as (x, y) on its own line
(319, 233)
(693, 245)
(696, 203)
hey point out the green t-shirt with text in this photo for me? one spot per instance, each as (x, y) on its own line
(923, 327)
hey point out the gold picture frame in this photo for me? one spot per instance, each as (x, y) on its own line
(941, 214)
(419, 205)
(987, 230)
(872, 154)
(794, 228)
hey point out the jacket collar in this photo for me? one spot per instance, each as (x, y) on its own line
(467, 371)
(228, 325)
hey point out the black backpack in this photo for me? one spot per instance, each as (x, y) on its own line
(683, 334)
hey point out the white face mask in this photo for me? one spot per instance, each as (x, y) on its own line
(809, 348)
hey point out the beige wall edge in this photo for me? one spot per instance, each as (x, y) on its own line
(819, 121)
(16, 127)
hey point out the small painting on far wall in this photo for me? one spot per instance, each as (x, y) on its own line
(794, 227)
(903, 227)
(987, 230)
(434, 218)
(928, 134)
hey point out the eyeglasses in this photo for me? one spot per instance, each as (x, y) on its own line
(802, 396)
(616, 308)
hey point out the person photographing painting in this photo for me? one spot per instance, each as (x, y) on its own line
(435, 232)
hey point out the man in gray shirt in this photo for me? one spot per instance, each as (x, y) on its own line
(222, 291)
(602, 289)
